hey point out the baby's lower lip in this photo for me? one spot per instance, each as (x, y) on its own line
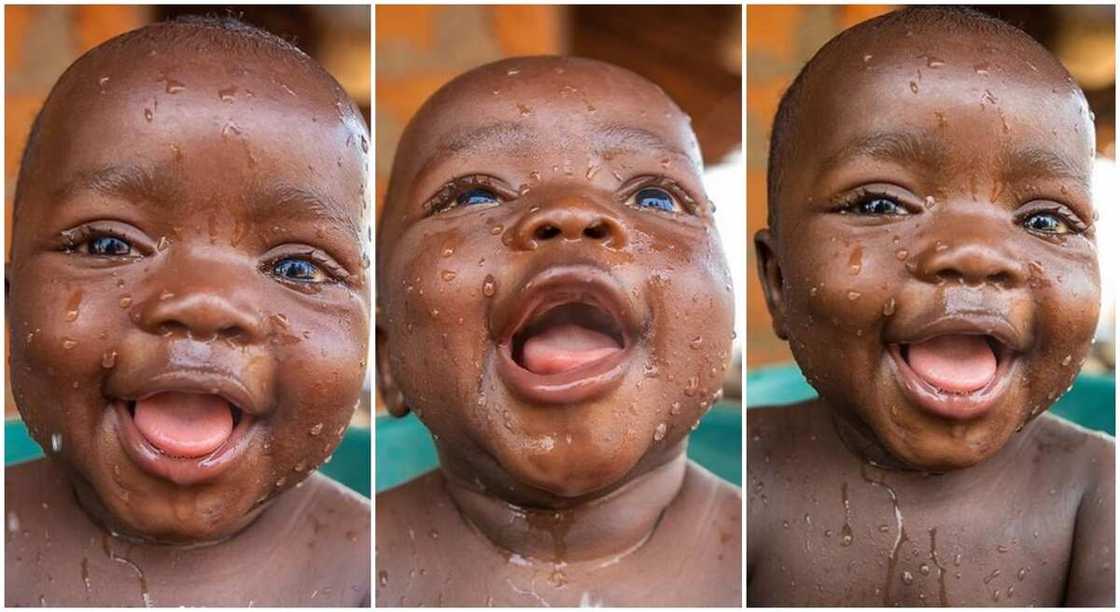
(184, 471)
(970, 399)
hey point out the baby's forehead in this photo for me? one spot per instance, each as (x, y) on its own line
(547, 103)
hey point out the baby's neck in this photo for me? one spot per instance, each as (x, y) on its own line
(603, 528)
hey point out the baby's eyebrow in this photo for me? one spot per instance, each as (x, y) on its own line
(612, 137)
(1037, 162)
(285, 202)
(917, 149)
(132, 182)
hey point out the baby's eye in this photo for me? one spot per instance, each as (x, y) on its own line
(298, 270)
(1046, 223)
(877, 206)
(653, 197)
(108, 246)
(476, 196)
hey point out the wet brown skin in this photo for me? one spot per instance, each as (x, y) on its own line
(310, 547)
(1014, 139)
(550, 141)
(273, 167)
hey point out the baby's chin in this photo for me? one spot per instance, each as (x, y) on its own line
(943, 447)
(569, 469)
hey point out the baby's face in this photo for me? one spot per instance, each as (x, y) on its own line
(188, 297)
(939, 269)
(554, 301)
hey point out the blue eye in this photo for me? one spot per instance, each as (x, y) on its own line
(299, 270)
(1046, 223)
(652, 197)
(108, 246)
(878, 205)
(476, 196)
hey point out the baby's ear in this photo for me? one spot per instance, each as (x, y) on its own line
(770, 273)
(390, 394)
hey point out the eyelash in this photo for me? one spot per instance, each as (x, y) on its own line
(849, 203)
(319, 259)
(1071, 220)
(445, 198)
(72, 241)
(635, 186)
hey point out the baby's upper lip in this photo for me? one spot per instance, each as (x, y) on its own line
(558, 285)
(200, 378)
(975, 322)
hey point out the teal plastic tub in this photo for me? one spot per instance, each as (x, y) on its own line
(1090, 403)
(349, 464)
(405, 449)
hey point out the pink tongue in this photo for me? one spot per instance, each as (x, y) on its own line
(565, 347)
(958, 364)
(184, 424)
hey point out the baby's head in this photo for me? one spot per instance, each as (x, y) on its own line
(188, 296)
(553, 299)
(931, 254)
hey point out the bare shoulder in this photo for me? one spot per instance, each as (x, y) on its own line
(1070, 450)
(775, 429)
(339, 531)
(724, 511)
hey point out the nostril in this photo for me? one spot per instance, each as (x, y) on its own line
(546, 232)
(597, 231)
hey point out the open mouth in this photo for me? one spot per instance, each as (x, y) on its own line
(567, 337)
(184, 437)
(954, 375)
(185, 425)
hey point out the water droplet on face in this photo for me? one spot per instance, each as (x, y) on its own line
(513, 72)
(853, 295)
(101, 83)
(108, 359)
(659, 432)
(173, 86)
(489, 286)
(165, 295)
(696, 343)
(884, 528)
(924, 569)
(913, 87)
(907, 577)
(524, 110)
(888, 307)
(227, 94)
(148, 115)
(125, 302)
(992, 576)
(934, 62)
(855, 261)
(447, 275)
(930, 202)
(382, 577)
(163, 243)
(981, 68)
(69, 343)
(940, 247)
(497, 229)
(1022, 573)
(316, 430)
(693, 383)
(901, 254)
(592, 171)
(56, 442)
(867, 57)
(1066, 361)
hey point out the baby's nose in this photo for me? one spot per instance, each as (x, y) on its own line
(971, 260)
(569, 218)
(201, 313)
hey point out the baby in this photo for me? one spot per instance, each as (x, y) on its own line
(189, 319)
(555, 307)
(931, 260)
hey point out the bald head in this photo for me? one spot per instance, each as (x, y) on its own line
(932, 37)
(189, 38)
